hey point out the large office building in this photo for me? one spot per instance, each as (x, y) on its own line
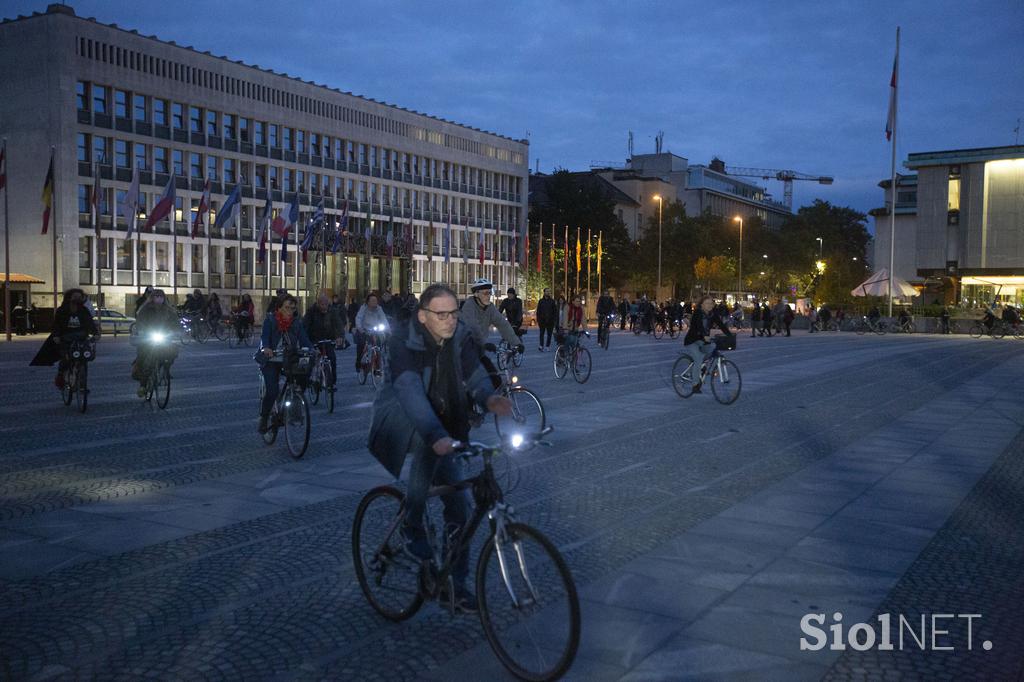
(110, 102)
(959, 225)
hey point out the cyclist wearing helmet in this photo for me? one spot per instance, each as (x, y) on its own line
(479, 314)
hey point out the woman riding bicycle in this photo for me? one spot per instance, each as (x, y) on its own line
(697, 345)
(243, 315)
(282, 331)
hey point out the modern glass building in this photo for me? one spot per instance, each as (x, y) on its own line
(109, 101)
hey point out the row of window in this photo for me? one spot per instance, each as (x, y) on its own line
(124, 154)
(137, 61)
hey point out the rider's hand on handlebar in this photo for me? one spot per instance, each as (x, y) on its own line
(707, 339)
(499, 405)
(268, 352)
(445, 446)
(520, 348)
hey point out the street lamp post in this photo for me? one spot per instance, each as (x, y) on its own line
(661, 203)
(739, 279)
(821, 247)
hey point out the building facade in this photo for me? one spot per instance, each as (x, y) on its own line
(968, 225)
(109, 101)
(905, 253)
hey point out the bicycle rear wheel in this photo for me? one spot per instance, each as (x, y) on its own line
(202, 330)
(659, 331)
(314, 388)
(527, 414)
(67, 391)
(328, 379)
(998, 331)
(377, 369)
(682, 376)
(530, 646)
(387, 574)
(581, 365)
(81, 387)
(295, 413)
(561, 362)
(220, 330)
(163, 384)
(976, 331)
(726, 382)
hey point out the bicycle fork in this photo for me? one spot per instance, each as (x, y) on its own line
(499, 516)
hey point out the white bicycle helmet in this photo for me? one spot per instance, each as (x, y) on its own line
(482, 283)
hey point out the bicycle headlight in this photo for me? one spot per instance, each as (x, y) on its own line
(515, 379)
(157, 337)
(379, 328)
(287, 403)
(517, 440)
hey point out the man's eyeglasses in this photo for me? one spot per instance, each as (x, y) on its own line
(443, 314)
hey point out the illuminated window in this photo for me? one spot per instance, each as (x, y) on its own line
(954, 189)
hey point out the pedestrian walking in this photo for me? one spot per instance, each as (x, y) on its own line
(547, 317)
(812, 318)
(755, 322)
(787, 317)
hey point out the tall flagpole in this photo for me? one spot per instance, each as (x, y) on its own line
(565, 275)
(892, 185)
(56, 214)
(7, 247)
(552, 256)
(174, 238)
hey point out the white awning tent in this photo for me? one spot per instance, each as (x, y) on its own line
(878, 285)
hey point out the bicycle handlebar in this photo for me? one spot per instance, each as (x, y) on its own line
(515, 442)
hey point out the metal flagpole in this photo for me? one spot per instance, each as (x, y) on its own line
(589, 252)
(174, 241)
(577, 260)
(297, 223)
(565, 275)
(892, 186)
(54, 203)
(97, 231)
(238, 231)
(552, 256)
(7, 247)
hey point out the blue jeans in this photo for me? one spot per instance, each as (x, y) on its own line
(271, 380)
(429, 469)
(332, 357)
(697, 351)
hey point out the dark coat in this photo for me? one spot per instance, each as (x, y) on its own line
(403, 418)
(512, 307)
(323, 326)
(696, 331)
(547, 311)
(84, 325)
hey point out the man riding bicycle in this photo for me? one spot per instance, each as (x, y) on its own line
(479, 314)
(605, 308)
(697, 345)
(424, 408)
(282, 331)
(512, 309)
(323, 323)
(72, 323)
(155, 316)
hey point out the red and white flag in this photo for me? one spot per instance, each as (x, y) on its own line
(890, 123)
(164, 205)
(204, 208)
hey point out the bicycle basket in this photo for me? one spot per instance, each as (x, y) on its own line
(725, 342)
(298, 367)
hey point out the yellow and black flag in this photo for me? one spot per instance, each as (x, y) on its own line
(48, 195)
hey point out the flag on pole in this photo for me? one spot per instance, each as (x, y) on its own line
(164, 205)
(283, 223)
(551, 253)
(229, 212)
(264, 223)
(480, 242)
(447, 241)
(578, 263)
(599, 245)
(341, 231)
(47, 196)
(430, 242)
(94, 201)
(316, 221)
(130, 207)
(890, 123)
(389, 239)
(496, 248)
(204, 208)
(526, 249)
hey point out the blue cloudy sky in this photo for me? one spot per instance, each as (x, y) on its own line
(794, 85)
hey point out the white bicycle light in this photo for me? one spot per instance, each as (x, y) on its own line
(517, 440)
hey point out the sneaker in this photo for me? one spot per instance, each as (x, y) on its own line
(58, 381)
(416, 544)
(465, 600)
(540, 349)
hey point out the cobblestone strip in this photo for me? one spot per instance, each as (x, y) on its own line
(973, 565)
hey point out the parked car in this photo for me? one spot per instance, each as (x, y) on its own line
(111, 321)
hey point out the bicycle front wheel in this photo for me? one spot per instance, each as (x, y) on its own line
(328, 379)
(998, 331)
(517, 359)
(726, 382)
(581, 365)
(561, 362)
(81, 389)
(501, 362)
(519, 575)
(659, 331)
(527, 414)
(387, 574)
(295, 413)
(314, 388)
(163, 384)
(220, 330)
(682, 376)
(202, 331)
(976, 331)
(67, 391)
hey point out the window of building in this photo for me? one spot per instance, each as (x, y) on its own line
(300, 141)
(139, 108)
(289, 179)
(195, 119)
(274, 135)
(100, 149)
(260, 132)
(121, 104)
(229, 171)
(273, 177)
(211, 167)
(140, 157)
(350, 150)
(83, 147)
(301, 181)
(211, 123)
(161, 252)
(195, 163)
(229, 127)
(85, 252)
(124, 254)
(338, 147)
(954, 189)
(160, 159)
(261, 176)
(160, 112)
(99, 99)
(314, 144)
(83, 198)
(178, 115)
(286, 138)
(82, 95)
(243, 129)
(229, 259)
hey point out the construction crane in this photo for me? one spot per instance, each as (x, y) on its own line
(785, 176)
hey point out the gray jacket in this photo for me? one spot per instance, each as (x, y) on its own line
(480, 320)
(403, 419)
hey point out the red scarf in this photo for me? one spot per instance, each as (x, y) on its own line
(283, 323)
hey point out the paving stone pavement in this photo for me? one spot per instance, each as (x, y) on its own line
(173, 544)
